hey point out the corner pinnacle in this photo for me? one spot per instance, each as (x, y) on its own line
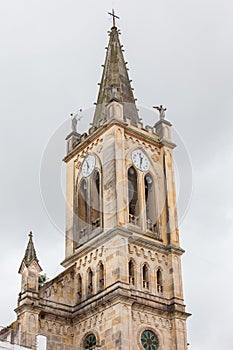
(30, 253)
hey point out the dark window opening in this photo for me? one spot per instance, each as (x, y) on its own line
(100, 276)
(95, 200)
(79, 287)
(159, 281)
(83, 217)
(131, 273)
(145, 276)
(89, 282)
(133, 196)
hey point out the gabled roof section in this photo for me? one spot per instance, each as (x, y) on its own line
(115, 83)
(30, 254)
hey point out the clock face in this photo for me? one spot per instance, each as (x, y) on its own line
(140, 160)
(88, 165)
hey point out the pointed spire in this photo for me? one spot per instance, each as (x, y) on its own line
(115, 84)
(30, 253)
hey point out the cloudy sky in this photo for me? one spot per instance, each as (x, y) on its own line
(180, 53)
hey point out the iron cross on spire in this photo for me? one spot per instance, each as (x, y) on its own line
(113, 17)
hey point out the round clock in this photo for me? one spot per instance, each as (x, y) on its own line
(88, 165)
(140, 160)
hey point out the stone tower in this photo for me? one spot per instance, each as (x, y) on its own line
(122, 232)
(121, 287)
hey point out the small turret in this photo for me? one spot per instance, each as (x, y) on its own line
(30, 268)
(28, 301)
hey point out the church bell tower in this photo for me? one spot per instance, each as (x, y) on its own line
(121, 288)
(121, 223)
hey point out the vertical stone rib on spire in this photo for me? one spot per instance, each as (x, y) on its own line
(115, 83)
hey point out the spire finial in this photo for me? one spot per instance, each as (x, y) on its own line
(161, 110)
(113, 17)
(30, 234)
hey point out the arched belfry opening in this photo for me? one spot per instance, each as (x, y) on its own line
(96, 198)
(133, 202)
(150, 203)
(88, 205)
(83, 208)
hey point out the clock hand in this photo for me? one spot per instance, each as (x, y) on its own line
(140, 160)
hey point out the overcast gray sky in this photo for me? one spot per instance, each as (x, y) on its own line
(180, 53)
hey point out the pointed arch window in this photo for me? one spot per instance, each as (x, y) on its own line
(83, 208)
(131, 273)
(79, 289)
(145, 276)
(159, 281)
(89, 282)
(151, 209)
(133, 196)
(95, 200)
(100, 276)
(88, 205)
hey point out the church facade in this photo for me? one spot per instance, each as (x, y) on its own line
(121, 287)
